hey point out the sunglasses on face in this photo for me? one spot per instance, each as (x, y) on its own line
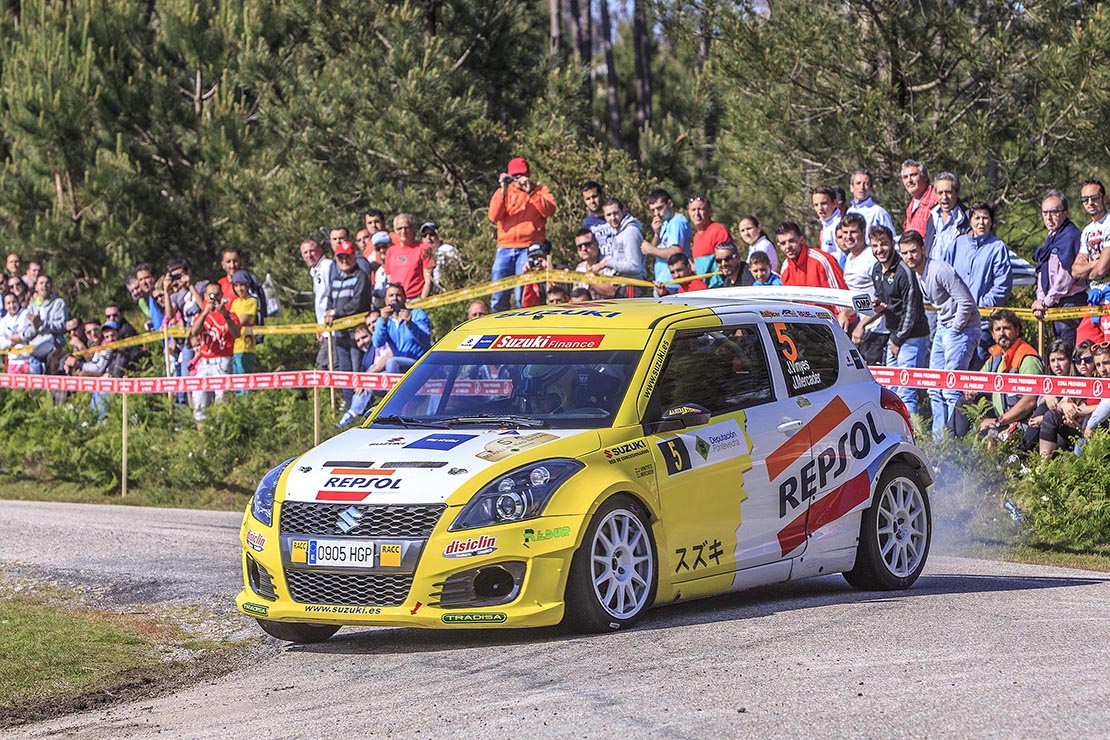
(722, 260)
(584, 245)
(1090, 198)
(1085, 359)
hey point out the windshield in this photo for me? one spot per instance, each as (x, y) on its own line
(557, 389)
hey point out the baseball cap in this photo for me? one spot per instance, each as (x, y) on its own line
(536, 250)
(109, 325)
(241, 276)
(344, 247)
(380, 237)
(517, 166)
(429, 226)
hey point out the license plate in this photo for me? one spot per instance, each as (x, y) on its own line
(333, 553)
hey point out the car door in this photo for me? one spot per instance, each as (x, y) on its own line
(816, 421)
(702, 469)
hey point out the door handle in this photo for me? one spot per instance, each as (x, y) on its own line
(790, 426)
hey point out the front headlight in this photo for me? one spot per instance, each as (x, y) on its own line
(521, 494)
(262, 505)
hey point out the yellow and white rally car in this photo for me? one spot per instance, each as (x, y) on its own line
(580, 463)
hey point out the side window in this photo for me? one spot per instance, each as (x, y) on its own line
(807, 355)
(722, 370)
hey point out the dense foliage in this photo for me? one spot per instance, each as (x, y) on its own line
(133, 132)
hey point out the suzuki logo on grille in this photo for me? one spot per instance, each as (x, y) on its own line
(349, 519)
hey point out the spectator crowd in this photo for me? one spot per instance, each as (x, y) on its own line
(929, 275)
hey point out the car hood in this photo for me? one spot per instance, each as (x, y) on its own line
(403, 466)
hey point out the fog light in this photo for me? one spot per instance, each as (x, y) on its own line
(493, 583)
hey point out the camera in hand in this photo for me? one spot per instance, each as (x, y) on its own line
(396, 306)
(176, 275)
(536, 263)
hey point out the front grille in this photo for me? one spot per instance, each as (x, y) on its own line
(298, 517)
(348, 589)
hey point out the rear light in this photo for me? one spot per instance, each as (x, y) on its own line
(890, 401)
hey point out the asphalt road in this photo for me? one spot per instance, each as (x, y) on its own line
(976, 649)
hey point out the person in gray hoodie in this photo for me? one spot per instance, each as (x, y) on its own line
(48, 315)
(627, 259)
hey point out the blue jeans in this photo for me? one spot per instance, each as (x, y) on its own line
(952, 350)
(184, 357)
(348, 358)
(506, 263)
(911, 354)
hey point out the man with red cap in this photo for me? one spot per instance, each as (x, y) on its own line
(520, 209)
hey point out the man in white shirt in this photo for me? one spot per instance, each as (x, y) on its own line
(319, 268)
(858, 262)
(824, 205)
(1093, 260)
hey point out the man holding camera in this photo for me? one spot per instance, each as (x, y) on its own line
(406, 331)
(520, 209)
(214, 332)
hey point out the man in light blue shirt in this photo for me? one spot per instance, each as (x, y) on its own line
(863, 204)
(982, 261)
(672, 235)
(948, 219)
(406, 331)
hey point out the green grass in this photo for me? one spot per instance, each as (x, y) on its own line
(51, 654)
(211, 498)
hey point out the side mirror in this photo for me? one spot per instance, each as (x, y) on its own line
(681, 417)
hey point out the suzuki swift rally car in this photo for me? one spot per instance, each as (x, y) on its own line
(580, 463)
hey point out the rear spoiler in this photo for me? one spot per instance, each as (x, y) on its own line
(860, 302)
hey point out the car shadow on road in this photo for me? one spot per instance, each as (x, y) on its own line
(833, 590)
(749, 604)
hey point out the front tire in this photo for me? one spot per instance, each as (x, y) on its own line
(614, 573)
(895, 534)
(298, 632)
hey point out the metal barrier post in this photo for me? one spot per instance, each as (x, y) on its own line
(331, 363)
(1040, 337)
(315, 415)
(123, 457)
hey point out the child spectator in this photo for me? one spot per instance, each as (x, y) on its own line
(759, 264)
(245, 307)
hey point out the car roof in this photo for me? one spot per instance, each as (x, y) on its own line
(644, 313)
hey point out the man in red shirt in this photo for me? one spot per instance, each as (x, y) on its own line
(214, 332)
(806, 266)
(915, 178)
(680, 267)
(407, 261)
(707, 234)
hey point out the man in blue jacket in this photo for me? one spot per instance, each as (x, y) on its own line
(1055, 285)
(406, 331)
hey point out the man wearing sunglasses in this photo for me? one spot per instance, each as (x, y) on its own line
(1093, 261)
(214, 331)
(732, 271)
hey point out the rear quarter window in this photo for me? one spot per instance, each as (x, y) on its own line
(807, 354)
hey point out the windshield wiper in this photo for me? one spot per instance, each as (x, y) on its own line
(501, 420)
(409, 421)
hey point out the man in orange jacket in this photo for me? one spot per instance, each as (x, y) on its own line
(520, 208)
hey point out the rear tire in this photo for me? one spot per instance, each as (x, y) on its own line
(895, 534)
(614, 573)
(298, 632)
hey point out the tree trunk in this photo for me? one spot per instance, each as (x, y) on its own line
(712, 114)
(556, 7)
(642, 45)
(611, 76)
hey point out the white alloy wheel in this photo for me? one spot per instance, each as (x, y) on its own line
(895, 532)
(902, 527)
(621, 564)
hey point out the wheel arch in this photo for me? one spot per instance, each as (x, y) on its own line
(908, 455)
